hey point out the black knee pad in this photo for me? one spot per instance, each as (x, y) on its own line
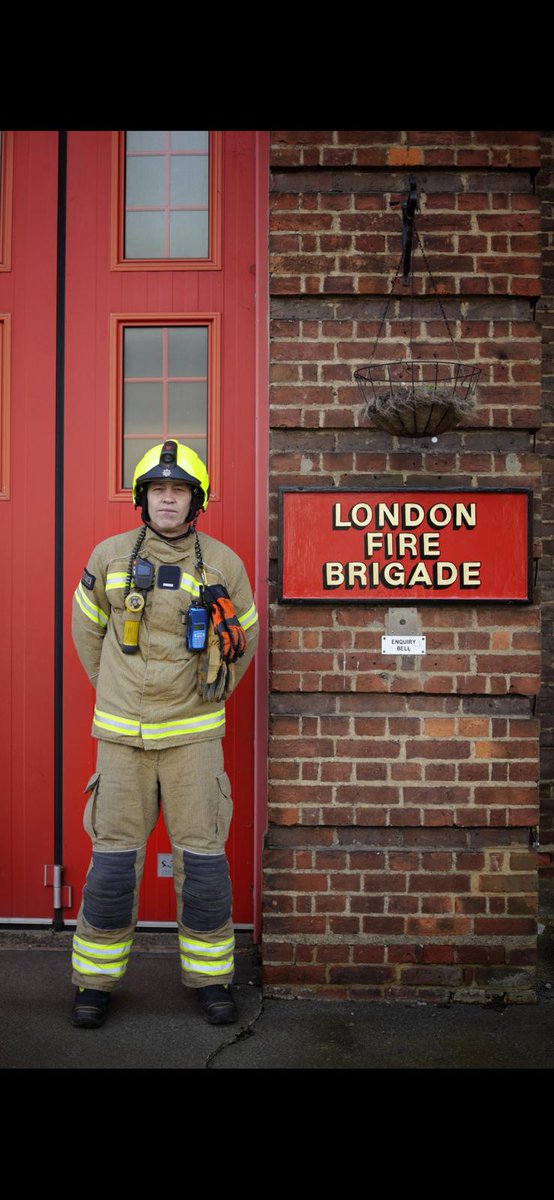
(206, 891)
(109, 891)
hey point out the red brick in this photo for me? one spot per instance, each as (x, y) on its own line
(436, 903)
(438, 954)
(470, 904)
(507, 883)
(523, 860)
(387, 883)
(402, 904)
(296, 881)
(344, 925)
(404, 954)
(366, 860)
(284, 903)
(522, 957)
(449, 976)
(437, 749)
(303, 954)
(344, 882)
(404, 860)
(438, 926)
(369, 954)
(280, 925)
(386, 925)
(333, 954)
(520, 906)
(479, 954)
(504, 926)
(306, 974)
(360, 974)
(331, 904)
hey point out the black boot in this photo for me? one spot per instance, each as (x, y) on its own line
(89, 1008)
(217, 1004)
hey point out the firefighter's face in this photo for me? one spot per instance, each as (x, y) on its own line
(169, 506)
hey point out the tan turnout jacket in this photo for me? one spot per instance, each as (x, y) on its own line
(149, 699)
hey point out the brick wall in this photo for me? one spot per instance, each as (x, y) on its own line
(545, 448)
(402, 791)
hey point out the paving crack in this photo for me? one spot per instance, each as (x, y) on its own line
(245, 1032)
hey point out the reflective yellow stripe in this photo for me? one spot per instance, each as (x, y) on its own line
(249, 618)
(163, 729)
(95, 614)
(106, 720)
(205, 948)
(102, 949)
(204, 968)
(88, 957)
(115, 579)
(187, 725)
(189, 584)
(114, 970)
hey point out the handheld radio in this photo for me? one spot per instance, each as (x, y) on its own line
(196, 632)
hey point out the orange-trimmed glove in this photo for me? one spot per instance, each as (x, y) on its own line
(232, 640)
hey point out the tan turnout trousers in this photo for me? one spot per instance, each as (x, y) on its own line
(125, 794)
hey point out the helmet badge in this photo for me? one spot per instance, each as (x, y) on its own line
(166, 472)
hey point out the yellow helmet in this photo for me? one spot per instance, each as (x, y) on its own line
(172, 460)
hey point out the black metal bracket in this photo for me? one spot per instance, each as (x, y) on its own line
(409, 208)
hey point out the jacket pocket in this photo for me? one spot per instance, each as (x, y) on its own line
(224, 806)
(89, 815)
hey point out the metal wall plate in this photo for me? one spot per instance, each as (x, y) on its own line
(165, 865)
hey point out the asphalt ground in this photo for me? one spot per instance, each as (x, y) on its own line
(155, 1024)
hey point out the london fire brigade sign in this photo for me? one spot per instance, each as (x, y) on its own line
(405, 547)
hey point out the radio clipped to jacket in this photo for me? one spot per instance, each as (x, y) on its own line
(143, 574)
(196, 631)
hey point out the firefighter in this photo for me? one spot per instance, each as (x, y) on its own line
(165, 626)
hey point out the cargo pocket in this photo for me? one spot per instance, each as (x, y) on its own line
(89, 815)
(224, 806)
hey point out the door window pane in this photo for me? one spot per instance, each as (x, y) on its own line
(167, 187)
(189, 139)
(144, 236)
(145, 182)
(142, 406)
(146, 139)
(188, 350)
(4, 409)
(186, 406)
(165, 390)
(143, 352)
(189, 235)
(189, 180)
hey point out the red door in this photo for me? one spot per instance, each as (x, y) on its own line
(159, 340)
(27, 431)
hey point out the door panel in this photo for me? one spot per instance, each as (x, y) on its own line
(28, 298)
(95, 293)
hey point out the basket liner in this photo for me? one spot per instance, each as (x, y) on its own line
(417, 411)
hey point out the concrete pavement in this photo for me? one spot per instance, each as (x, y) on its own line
(154, 1022)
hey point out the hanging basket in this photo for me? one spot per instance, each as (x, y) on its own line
(416, 398)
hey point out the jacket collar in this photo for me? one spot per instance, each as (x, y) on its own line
(166, 550)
